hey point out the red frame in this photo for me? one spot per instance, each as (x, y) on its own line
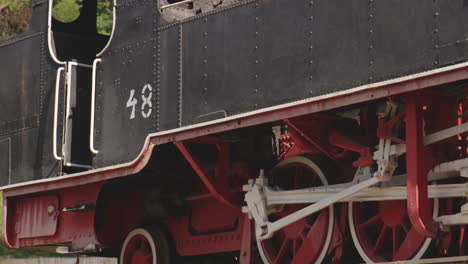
(78, 228)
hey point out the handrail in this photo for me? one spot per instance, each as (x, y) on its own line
(93, 103)
(176, 4)
(57, 90)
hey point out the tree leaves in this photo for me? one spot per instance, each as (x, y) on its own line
(17, 20)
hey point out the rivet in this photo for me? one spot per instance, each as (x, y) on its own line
(50, 209)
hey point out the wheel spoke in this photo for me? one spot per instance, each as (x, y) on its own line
(405, 225)
(413, 239)
(311, 246)
(294, 247)
(282, 251)
(370, 222)
(380, 239)
(395, 240)
(307, 239)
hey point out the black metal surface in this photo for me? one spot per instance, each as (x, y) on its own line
(237, 58)
(256, 54)
(27, 78)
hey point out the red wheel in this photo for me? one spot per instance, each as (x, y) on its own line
(144, 246)
(382, 231)
(307, 240)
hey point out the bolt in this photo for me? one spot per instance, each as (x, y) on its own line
(50, 209)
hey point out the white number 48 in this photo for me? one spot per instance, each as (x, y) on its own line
(146, 106)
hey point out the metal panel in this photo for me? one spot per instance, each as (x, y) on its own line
(218, 65)
(20, 83)
(168, 82)
(451, 31)
(400, 38)
(36, 217)
(5, 161)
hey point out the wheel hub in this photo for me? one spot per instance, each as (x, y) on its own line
(138, 251)
(392, 212)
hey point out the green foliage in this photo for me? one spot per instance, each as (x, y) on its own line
(104, 17)
(69, 10)
(66, 10)
(17, 20)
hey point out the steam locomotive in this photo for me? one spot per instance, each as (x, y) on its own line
(239, 131)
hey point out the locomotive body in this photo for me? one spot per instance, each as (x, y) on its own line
(162, 123)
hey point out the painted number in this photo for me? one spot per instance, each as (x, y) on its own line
(131, 103)
(146, 106)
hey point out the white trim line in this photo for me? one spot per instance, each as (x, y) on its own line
(268, 109)
(93, 105)
(49, 35)
(114, 20)
(57, 90)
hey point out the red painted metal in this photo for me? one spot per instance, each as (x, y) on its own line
(189, 243)
(37, 216)
(385, 130)
(111, 228)
(403, 86)
(247, 241)
(416, 180)
(96, 176)
(73, 228)
(365, 154)
(307, 126)
(138, 250)
(317, 133)
(212, 217)
(304, 240)
(217, 188)
(385, 232)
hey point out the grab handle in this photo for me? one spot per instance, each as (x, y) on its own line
(93, 102)
(56, 102)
